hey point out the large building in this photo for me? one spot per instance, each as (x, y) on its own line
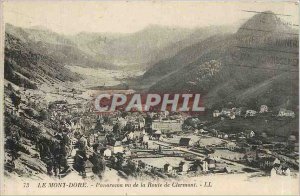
(166, 126)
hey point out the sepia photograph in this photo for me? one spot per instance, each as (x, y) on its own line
(149, 97)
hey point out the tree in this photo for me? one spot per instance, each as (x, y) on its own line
(129, 127)
(141, 164)
(16, 100)
(43, 115)
(131, 168)
(117, 130)
(113, 160)
(99, 126)
(98, 164)
(120, 160)
(124, 114)
(196, 165)
(9, 87)
(8, 72)
(73, 91)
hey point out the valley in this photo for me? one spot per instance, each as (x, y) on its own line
(247, 76)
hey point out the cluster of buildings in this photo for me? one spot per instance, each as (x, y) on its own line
(73, 118)
(274, 165)
(247, 133)
(234, 112)
(207, 165)
(121, 134)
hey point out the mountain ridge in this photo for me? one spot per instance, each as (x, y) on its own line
(248, 60)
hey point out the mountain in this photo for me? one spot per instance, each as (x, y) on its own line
(26, 66)
(256, 65)
(137, 50)
(93, 44)
(54, 45)
(143, 48)
(206, 49)
(132, 48)
(104, 50)
(196, 36)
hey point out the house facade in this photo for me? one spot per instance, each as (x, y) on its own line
(263, 109)
(286, 113)
(166, 126)
(216, 113)
(168, 168)
(183, 167)
(251, 113)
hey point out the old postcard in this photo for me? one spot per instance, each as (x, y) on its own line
(149, 97)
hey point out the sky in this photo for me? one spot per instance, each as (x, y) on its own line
(71, 17)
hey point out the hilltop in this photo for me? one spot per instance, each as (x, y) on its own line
(259, 62)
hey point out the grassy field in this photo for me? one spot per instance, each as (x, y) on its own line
(203, 140)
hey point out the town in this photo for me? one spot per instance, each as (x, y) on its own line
(69, 136)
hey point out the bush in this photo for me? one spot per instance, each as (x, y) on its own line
(43, 115)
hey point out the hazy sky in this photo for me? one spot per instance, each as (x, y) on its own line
(119, 16)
